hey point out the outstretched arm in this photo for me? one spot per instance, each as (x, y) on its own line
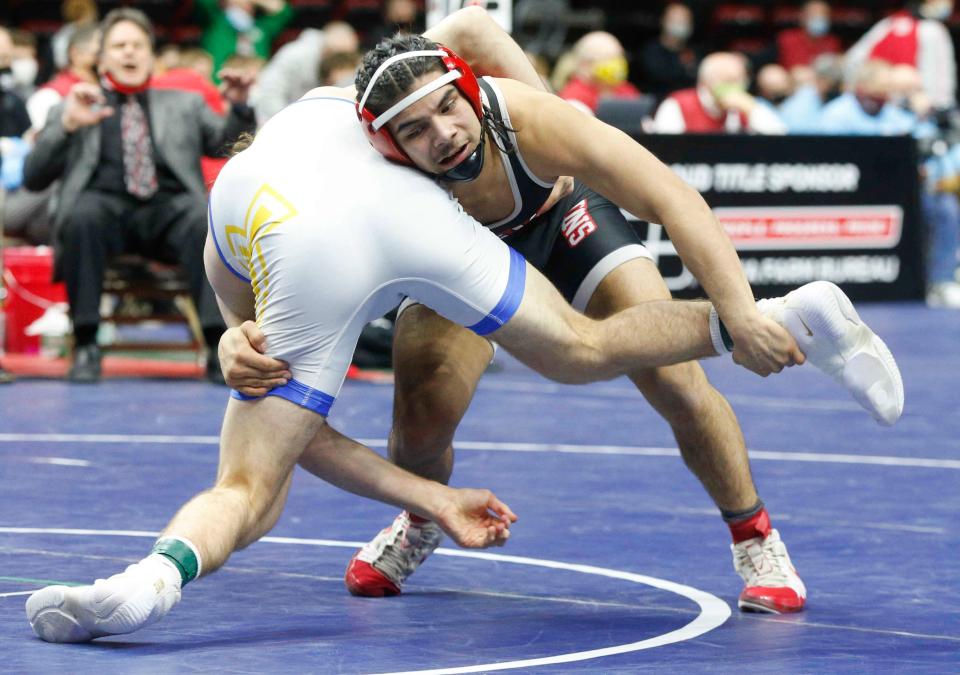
(558, 140)
(472, 518)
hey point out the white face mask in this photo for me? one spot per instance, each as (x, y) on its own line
(679, 30)
(937, 11)
(240, 20)
(24, 71)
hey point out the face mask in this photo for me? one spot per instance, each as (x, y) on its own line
(872, 105)
(722, 90)
(6, 79)
(239, 19)
(24, 71)
(937, 11)
(612, 71)
(818, 26)
(679, 30)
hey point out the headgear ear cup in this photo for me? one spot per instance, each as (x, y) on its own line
(375, 127)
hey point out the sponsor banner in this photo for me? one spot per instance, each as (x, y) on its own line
(763, 228)
(802, 208)
(500, 11)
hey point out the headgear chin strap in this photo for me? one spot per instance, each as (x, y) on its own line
(458, 73)
(468, 169)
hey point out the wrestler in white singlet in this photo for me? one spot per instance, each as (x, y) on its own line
(331, 236)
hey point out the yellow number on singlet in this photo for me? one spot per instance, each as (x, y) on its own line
(267, 210)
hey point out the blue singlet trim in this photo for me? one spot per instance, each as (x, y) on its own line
(510, 301)
(298, 393)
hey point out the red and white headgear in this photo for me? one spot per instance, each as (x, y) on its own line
(375, 126)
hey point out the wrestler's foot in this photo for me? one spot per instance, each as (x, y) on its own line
(125, 602)
(831, 334)
(381, 566)
(772, 584)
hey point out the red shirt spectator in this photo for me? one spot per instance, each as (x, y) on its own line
(796, 47)
(190, 79)
(800, 46)
(590, 95)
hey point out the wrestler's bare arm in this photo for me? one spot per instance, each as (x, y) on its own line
(557, 139)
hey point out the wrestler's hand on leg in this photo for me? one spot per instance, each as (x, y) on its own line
(763, 346)
(475, 518)
(244, 362)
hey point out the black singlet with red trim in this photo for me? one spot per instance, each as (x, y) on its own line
(529, 192)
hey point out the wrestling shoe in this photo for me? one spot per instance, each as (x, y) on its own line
(137, 597)
(381, 566)
(828, 330)
(772, 584)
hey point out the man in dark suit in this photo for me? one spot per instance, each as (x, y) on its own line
(129, 159)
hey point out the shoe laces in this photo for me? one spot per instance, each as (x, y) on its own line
(763, 562)
(405, 545)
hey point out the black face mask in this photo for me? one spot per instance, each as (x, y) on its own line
(831, 94)
(468, 169)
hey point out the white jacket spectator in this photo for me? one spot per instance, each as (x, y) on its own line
(915, 38)
(295, 68)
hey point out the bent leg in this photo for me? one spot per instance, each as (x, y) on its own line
(437, 365)
(702, 421)
(260, 443)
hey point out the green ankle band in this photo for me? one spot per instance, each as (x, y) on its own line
(182, 556)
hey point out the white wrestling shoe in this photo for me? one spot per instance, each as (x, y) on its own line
(772, 584)
(381, 566)
(828, 330)
(137, 597)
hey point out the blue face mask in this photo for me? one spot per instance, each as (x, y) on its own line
(817, 26)
(239, 19)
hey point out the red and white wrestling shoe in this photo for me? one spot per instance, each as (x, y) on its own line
(381, 566)
(772, 583)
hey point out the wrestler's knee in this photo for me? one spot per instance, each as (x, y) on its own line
(679, 392)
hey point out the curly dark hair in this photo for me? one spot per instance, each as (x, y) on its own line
(398, 78)
(395, 82)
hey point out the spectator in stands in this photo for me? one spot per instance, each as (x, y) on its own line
(669, 62)
(76, 14)
(720, 103)
(801, 111)
(168, 58)
(26, 213)
(14, 121)
(129, 158)
(865, 109)
(914, 36)
(399, 16)
(339, 69)
(600, 71)
(941, 173)
(81, 67)
(868, 111)
(774, 84)
(24, 66)
(243, 27)
(798, 47)
(194, 72)
(295, 68)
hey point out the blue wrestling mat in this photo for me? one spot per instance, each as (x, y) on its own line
(619, 563)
